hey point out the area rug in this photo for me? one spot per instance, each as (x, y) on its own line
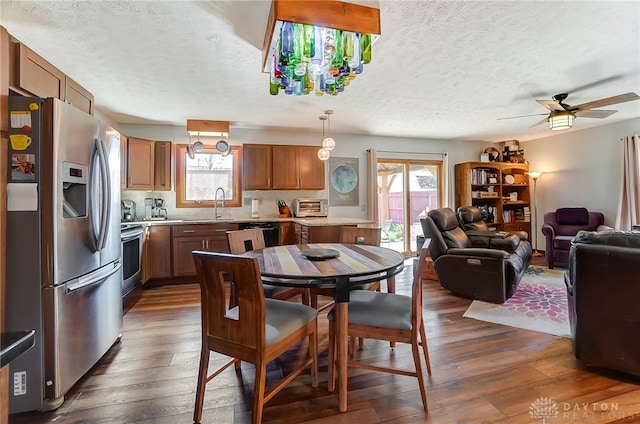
(539, 304)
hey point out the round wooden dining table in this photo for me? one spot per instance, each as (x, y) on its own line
(304, 265)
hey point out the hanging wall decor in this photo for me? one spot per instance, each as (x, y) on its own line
(343, 181)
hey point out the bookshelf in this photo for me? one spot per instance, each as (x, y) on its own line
(499, 189)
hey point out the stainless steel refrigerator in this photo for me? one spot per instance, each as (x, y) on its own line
(63, 246)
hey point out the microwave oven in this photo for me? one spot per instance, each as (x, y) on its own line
(310, 207)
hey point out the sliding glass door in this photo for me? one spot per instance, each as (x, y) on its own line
(407, 190)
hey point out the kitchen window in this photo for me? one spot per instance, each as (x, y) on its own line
(198, 178)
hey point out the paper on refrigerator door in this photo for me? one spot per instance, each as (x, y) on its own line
(22, 197)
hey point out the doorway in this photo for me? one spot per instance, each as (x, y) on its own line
(407, 190)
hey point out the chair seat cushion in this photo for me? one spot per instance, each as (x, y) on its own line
(385, 310)
(562, 242)
(282, 318)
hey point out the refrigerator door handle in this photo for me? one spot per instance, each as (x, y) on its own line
(94, 277)
(105, 192)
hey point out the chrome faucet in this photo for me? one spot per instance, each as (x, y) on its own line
(215, 202)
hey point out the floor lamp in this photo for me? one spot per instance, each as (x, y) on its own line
(535, 175)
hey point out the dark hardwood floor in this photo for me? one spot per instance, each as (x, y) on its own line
(482, 373)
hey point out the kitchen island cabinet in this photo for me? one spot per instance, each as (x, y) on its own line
(187, 238)
(317, 234)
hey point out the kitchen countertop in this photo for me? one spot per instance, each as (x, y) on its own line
(14, 344)
(311, 222)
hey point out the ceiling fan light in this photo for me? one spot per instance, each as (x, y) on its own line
(561, 121)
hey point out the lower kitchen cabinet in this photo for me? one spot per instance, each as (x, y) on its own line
(319, 234)
(156, 256)
(187, 238)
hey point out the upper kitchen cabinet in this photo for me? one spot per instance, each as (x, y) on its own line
(148, 164)
(297, 168)
(77, 96)
(140, 163)
(280, 167)
(33, 75)
(123, 161)
(257, 166)
(162, 165)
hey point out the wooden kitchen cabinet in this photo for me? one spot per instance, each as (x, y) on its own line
(156, 256)
(148, 164)
(310, 168)
(319, 234)
(37, 76)
(34, 75)
(282, 167)
(140, 164)
(287, 234)
(78, 96)
(123, 161)
(257, 166)
(297, 168)
(162, 166)
(187, 238)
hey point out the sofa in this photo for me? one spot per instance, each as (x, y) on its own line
(561, 226)
(603, 291)
(489, 268)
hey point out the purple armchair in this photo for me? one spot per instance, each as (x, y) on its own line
(561, 226)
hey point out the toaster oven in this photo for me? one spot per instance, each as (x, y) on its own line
(310, 207)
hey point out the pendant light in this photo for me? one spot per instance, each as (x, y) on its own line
(323, 153)
(328, 143)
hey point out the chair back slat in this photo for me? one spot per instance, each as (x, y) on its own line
(243, 325)
(361, 235)
(416, 288)
(242, 241)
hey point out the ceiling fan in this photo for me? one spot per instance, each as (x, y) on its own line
(562, 114)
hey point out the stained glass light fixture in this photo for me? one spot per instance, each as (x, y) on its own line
(317, 46)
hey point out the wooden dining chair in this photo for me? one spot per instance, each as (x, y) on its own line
(352, 235)
(242, 241)
(386, 316)
(257, 330)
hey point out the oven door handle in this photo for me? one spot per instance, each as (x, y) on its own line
(130, 235)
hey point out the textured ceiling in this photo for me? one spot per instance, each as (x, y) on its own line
(440, 70)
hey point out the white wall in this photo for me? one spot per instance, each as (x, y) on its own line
(347, 146)
(580, 169)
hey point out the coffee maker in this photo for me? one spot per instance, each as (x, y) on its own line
(128, 211)
(153, 209)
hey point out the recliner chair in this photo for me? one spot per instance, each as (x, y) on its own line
(561, 226)
(603, 293)
(481, 273)
(470, 218)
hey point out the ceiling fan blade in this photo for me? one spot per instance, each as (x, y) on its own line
(594, 113)
(521, 116)
(551, 105)
(542, 121)
(627, 97)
